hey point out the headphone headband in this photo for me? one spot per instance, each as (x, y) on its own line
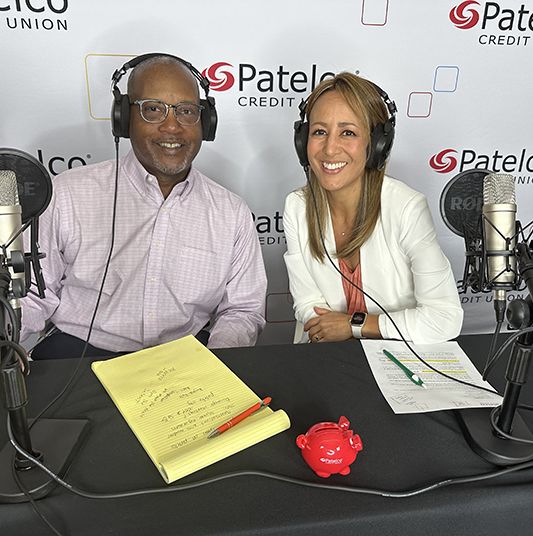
(390, 104)
(120, 111)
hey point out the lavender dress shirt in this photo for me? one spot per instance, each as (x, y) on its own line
(177, 264)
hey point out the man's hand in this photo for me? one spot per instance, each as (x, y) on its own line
(328, 326)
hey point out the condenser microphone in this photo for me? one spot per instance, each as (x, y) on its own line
(34, 190)
(11, 241)
(499, 236)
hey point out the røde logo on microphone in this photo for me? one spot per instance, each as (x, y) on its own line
(220, 78)
(444, 162)
(464, 16)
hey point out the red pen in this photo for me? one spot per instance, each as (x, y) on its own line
(240, 417)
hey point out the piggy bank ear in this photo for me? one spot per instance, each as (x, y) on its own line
(301, 441)
(344, 423)
(356, 443)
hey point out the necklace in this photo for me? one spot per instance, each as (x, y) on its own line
(338, 228)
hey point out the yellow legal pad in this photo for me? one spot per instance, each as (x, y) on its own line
(174, 394)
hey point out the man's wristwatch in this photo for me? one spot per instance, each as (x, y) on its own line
(357, 322)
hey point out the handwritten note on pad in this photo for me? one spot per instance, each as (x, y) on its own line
(174, 394)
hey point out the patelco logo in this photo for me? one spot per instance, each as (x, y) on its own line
(444, 162)
(265, 86)
(220, 79)
(519, 162)
(19, 14)
(464, 16)
(501, 26)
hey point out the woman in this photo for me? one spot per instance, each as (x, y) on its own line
(377, 231)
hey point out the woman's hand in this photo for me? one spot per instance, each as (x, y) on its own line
(328, 326)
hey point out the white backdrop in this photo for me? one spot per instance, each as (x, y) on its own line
(459, 73)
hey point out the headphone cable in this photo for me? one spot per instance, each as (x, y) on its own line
(498, 354)
(307, 174)
(70, 381)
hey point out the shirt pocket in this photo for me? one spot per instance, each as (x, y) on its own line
(197, 276)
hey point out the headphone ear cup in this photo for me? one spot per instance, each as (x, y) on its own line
(301, 133)
(209, 119)
(380, 146)
(120, 116)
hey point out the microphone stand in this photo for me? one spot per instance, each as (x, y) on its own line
(15, 395)
(57, 440)
(487, 441)
(519, 317)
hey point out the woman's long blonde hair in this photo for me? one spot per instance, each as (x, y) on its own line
(364, 99)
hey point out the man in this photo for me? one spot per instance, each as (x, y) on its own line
(186, 257)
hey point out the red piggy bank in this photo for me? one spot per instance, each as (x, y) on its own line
(330, 447)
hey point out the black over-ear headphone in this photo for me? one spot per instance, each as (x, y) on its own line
(381, 137)
(120, 111)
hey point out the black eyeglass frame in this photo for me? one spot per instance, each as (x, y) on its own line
(175, 107)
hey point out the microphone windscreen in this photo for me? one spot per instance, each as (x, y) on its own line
(8, 188)
(33, 181)
(499, 188)
(461, 202)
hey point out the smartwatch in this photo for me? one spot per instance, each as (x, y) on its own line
(357, 322)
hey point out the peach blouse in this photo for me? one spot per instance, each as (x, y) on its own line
(355, 299)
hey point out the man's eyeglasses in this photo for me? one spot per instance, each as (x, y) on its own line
(156, 111)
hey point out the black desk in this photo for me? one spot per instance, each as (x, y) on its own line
(312, 383)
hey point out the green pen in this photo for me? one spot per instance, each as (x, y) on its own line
(410, 374)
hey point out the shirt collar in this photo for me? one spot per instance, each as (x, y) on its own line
(147, 184)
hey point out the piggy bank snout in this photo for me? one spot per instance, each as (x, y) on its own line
(301, 441)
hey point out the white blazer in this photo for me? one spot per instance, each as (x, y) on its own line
(402, 268)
